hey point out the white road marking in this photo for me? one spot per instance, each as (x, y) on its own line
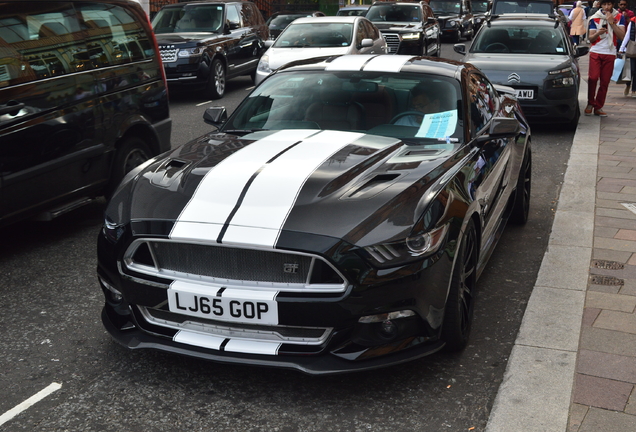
(29, 402)
(204, 103)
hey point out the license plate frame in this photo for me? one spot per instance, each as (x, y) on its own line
(222, 304)
(524, 94)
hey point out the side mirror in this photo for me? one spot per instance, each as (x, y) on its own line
(268, 43)
(500, 127)
(215, 116)
(234, 25)
(431, 20)
(366, 43)
(581, 51)
(460, 49)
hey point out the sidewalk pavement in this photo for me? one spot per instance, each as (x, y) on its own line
(573, 366)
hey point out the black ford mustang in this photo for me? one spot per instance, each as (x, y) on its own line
(329, 225)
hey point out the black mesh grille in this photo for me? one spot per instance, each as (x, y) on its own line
(231, 263)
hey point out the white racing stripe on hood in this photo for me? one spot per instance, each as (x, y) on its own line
(215, 197)
(273, 193)
(387, 63)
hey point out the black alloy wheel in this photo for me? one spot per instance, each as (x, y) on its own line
(458, 314)
(521, 206)
(216, 83)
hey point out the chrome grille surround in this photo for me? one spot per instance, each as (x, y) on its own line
(189, 262)
(168, 55)
(282, 334)
(392, 43)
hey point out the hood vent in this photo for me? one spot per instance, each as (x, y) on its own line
(373, 186)
(168, 173)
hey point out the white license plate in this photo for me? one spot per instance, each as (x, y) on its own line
(525, 94)
(234, 305)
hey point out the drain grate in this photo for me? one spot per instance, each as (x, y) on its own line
(608, 265)
(606, 280)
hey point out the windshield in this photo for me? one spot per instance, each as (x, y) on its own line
(283, 21)
(479, 6)
(524, 40)
(394, 13)
(417, 108)
(318, 35)
(446, 6)
(521, 6)
(188, 19)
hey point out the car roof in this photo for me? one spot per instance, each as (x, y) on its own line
(326, 19)
(518, 18)
(380, 63)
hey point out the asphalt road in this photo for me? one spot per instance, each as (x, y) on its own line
(52, 333)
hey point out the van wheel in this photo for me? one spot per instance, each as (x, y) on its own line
(458, 314)
(132, 152)
(216, 83)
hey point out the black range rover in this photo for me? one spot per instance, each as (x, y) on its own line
(203, 44)
(408, 28)
(455, 18)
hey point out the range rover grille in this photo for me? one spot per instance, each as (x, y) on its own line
(392, 43)
(168, 54)
(253, 268)
(283, 334)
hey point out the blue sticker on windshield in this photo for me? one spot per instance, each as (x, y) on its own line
(438, 125)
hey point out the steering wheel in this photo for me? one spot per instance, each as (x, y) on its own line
(406, 114)
(497, 47)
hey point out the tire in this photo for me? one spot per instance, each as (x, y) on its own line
(132, 152)
(216, 82)
(574, 123)
(521, 206)
(458, 313)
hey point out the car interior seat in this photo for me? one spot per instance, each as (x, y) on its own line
(336, 110)
(379, 106)
(542, 43)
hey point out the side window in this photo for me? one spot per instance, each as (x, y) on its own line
(113, 35)
(482, 102)
(233, 15)
(247, 14)
(360, 33)
(369, 30)
(38, 45)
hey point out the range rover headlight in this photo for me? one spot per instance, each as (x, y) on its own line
(263, 64)
(452, 23)
(190, 52)
(408, 249)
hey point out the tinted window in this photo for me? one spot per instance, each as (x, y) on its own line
(479, 6)
(521, 40)
(233, 15)
(316, 35)
(446, 6)
(522, 6)
(113, 35)
(395, 13)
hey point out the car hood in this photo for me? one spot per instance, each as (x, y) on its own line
(280, 56)
(384, 26)
(183, 38)
(360, 188)
(532, 68)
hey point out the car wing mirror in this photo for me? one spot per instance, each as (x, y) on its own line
(431, 20)
(460, 48)
(366, 43)
(581, 51)
(500, 127)
(215, 116)
(268, 43)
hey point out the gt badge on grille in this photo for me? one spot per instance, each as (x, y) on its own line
(290, 268)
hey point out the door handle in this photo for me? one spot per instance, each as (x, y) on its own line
(12, 107)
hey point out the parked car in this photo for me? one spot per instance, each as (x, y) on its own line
(541, 7)
(280, 20)
(316, 230)
(203, 44)
(82, 101)
(535, 56)
(320, 37)
(408, 28)
(355, 10)
(455, 18)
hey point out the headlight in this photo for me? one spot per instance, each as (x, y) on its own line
(190, 52)
(452, 24)
(263, 65)
(409, 249)
(409, 36)
(477, 20)
(567, 80)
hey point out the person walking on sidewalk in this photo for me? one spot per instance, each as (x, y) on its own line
(606, 27)
(630, 34)
(577, 22)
